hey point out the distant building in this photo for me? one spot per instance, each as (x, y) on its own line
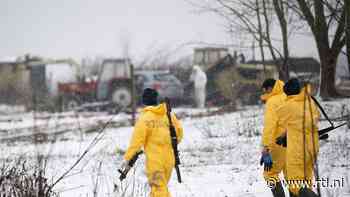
(20, 79)
(14, 82)
(306, 69)
(296, 65)
(342, 81)
(343, 67)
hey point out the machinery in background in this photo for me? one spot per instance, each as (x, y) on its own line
(230, 79)
(111, 89)
(51, 84)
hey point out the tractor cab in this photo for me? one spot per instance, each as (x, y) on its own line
(114, 82)
(112, 87)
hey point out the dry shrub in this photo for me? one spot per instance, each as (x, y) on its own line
(18, 179)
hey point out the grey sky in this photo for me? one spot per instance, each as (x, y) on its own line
(78, 28)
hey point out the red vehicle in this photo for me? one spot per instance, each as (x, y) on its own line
(113, 87)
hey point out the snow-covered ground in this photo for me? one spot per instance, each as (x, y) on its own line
(219, 153)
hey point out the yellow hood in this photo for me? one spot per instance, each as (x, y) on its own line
(159, 109)
(276, 90)
(301, 96)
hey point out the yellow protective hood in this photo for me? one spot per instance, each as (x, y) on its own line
(276, 90)
(301, 96)
(159, 109)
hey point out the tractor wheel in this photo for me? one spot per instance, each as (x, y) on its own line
(121, 96)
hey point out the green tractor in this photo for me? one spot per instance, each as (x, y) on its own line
(230, 82)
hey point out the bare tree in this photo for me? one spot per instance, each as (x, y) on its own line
(260, 31)
(347, 8)
(281, 15)
(160, 57)
(255, 17)
(326, 20)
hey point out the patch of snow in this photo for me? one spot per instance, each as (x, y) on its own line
(219, 153)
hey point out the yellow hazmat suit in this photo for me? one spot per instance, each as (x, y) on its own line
(152, 133)
(272, 130)
(300, 122)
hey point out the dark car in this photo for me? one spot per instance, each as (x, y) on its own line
(165, 83)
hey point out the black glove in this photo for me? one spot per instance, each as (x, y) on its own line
(282, 140)
(324, 137)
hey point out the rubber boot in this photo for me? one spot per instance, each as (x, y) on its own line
(292, 195)
(278, 191)
(306, 192)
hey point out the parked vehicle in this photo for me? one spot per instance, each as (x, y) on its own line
(164, 82)
(111, 88)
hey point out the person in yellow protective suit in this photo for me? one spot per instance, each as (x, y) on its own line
(299, 117)
(152, 133)
(273, 98)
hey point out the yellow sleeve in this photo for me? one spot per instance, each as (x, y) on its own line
(178, 128)
(283, 116)
(270, 125)
(137, 140)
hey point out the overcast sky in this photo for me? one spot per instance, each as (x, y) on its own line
(79, 28)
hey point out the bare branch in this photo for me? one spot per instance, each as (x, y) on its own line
(97, 138)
